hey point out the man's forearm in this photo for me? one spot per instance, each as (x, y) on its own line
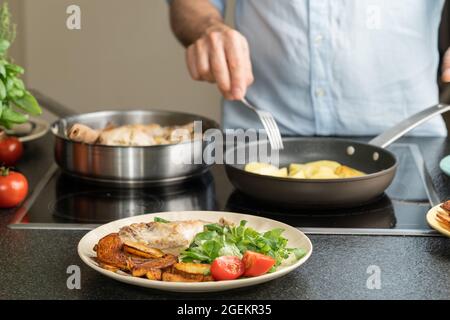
(191, 19)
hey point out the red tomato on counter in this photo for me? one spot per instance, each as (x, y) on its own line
(227, 268)
(257, 264)
(11, 150)
(13, 188)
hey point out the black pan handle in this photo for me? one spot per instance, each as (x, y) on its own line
(52, 105)
(399, 130)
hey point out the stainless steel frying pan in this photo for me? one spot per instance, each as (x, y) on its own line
(379, 164)
(124, 166)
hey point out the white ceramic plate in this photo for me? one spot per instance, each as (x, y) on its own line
(295, 237)
(432, 221)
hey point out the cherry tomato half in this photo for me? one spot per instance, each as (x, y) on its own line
(13, 188)
(227, 268)
(257, 264)
(11, 150)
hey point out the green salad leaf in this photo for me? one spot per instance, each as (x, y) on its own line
(158, 219)
(224, 240)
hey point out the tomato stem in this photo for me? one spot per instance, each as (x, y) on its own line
(4, 171)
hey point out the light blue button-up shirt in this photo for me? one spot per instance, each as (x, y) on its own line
(339, 67)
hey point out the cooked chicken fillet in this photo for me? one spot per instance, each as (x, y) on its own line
(82, 133)
(172, 237)
(136, 135)
(132, 135)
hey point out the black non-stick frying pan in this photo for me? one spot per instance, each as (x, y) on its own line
(379, 164)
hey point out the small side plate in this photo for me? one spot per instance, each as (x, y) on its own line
(32, 130)
(432, 221)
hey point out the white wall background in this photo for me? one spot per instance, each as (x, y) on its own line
(124, 57)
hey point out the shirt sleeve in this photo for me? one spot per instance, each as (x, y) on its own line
(221, 5)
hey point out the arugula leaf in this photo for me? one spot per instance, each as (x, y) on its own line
(298, 252)
(214, 227)
(205, 236)
(230, 249)
(161, 220)
(211, 248)
(194, 254)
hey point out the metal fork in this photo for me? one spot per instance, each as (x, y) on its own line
(269, 123)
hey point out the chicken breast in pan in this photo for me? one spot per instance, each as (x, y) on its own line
(133, 135)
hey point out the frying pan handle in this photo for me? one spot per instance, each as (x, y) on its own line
(396, 132)
(52, 105)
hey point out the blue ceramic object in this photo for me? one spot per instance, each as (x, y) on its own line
(445, 165)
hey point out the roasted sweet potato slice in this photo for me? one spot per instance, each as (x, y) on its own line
(193, 268)
(135, 259)
(108, 267)
(142, 250)
(446, 205)
(173, 277)
(444, 216)
(196, 277)
(109, 252)
(136, 253)
(208, 278)
(154, 274)
(140, 270)
(445, 224)
(160, 263)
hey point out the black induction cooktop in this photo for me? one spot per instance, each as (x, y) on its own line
(64, 202)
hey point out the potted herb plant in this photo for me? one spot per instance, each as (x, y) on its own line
(16, 102)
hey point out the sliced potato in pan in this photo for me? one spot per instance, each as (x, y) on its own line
(347, 172)
(323, 169)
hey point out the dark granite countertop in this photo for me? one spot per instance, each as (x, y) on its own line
(33, 263)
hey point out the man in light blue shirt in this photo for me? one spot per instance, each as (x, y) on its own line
(322, 67)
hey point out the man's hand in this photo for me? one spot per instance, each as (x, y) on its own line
(446, 67)
(215, 52)
(222, 56)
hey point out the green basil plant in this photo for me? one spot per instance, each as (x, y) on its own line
(16, 102)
